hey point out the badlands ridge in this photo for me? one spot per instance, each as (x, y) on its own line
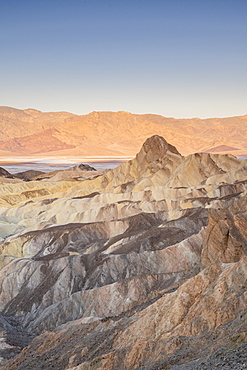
(138, 267)
(31, 132)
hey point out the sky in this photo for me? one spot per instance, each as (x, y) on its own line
(176, 58)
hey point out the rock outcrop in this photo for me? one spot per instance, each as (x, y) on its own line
(29, 175)
(4, 173)
(141, 266)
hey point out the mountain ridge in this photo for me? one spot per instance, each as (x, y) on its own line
(116, 133)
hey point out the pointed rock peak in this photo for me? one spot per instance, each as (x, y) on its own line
(156, 147)
(157, 143)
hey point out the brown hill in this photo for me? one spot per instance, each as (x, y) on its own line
(28, 132)
(44, 141)
(4, 173)
(220, 148)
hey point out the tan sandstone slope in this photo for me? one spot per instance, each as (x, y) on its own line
(139, 267)
(31, 132)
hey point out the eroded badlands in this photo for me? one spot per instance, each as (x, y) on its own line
(139, 267)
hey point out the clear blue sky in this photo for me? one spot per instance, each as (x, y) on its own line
(180, 58)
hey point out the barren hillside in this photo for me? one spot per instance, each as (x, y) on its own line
(138, 267)
(31, 132)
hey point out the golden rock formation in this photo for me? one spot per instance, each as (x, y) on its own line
(141, 266)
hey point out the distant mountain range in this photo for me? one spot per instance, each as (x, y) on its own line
(32, 132)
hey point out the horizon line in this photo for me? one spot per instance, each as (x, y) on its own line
(123, 111)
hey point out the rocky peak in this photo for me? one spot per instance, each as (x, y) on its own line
(82, 167)
(4, 173)
(156, 147)
(156, 157)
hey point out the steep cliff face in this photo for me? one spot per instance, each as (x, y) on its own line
(143, 266)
